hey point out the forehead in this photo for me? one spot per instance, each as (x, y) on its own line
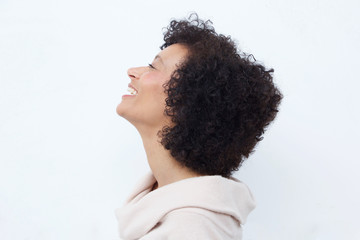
(173, 55)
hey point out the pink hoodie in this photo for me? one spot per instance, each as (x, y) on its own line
(205, 207)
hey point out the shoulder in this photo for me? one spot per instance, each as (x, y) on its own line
(190, 218)
(192, 223)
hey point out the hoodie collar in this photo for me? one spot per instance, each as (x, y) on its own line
(144, 208)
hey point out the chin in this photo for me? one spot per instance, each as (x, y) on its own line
(125, 113)
(120, 110)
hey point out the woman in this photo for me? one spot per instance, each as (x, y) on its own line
(200, 109)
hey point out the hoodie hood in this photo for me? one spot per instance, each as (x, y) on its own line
(144, 208)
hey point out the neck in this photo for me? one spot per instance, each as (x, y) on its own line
(165, 168)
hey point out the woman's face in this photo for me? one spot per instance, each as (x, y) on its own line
(146, 109)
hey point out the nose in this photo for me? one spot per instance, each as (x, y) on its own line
(134, 73)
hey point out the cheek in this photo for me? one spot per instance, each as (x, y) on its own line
(153, 95)
(154, 84)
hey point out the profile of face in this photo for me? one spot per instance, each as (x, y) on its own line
(146, 109)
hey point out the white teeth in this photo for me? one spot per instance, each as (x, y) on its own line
(132, 91)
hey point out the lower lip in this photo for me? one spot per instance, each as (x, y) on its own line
(127, 96)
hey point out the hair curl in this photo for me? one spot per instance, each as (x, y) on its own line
(219, 100)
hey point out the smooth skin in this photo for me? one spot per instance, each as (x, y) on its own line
(146, 112)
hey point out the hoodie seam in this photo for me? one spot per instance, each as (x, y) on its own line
(199, 214)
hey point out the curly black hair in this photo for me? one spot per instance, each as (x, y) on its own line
(219, 100)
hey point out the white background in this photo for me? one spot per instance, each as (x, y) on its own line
(67, 160)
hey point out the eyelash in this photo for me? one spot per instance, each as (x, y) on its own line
(151, 66)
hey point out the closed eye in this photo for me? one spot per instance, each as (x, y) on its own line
(151, 66)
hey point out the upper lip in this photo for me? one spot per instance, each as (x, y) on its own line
(132, 87)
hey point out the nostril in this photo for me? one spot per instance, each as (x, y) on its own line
(133, 73)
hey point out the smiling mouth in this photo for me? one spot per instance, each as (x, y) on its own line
(132, 89)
